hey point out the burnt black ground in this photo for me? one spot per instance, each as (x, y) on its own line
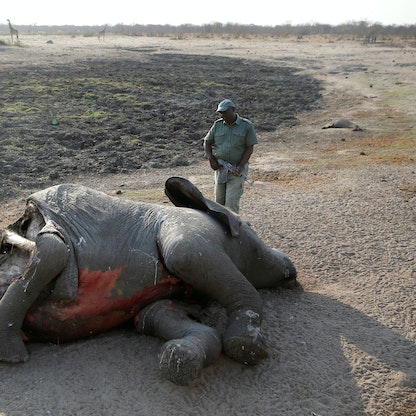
(148, 111)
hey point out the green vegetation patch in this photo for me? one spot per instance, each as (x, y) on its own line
(145, 111)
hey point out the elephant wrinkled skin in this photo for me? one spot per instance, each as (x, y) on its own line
(79, 262)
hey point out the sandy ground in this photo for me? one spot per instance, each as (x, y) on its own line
(341, 204)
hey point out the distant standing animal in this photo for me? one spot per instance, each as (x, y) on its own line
(13, 31)
(101, 33)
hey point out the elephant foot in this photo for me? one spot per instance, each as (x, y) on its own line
(245, 351)
(182, 360)
(243, 341)
(12, 349)
(190, 345)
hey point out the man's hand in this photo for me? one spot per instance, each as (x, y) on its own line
(213, 162)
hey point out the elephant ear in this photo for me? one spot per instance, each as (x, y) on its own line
(183, 193)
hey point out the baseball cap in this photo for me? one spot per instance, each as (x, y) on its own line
(224, 105)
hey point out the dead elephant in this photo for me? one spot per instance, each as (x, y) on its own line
(79, 262)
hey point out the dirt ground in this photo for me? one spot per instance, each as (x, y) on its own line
(340, 203)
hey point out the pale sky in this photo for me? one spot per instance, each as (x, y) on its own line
(199, 12)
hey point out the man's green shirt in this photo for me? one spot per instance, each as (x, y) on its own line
(231, 140)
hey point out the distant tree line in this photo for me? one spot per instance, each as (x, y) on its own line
(369, 32)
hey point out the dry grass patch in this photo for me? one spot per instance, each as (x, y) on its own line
(152, 195)
(388, 149)
(298, 179)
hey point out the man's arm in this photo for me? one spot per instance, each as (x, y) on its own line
(246, 156)
(208, 152)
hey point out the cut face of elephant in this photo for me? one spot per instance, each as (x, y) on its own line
(79, 262)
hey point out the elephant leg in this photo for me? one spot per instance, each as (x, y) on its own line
(48, 259)
(190, 345)
(211, 271)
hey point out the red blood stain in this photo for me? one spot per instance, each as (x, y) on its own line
(100, 306)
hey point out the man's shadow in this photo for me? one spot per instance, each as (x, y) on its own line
(336, 356)
(325, 358)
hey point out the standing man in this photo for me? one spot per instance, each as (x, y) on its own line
(231, 139)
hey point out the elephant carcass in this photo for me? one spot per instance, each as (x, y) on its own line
(79, 262)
